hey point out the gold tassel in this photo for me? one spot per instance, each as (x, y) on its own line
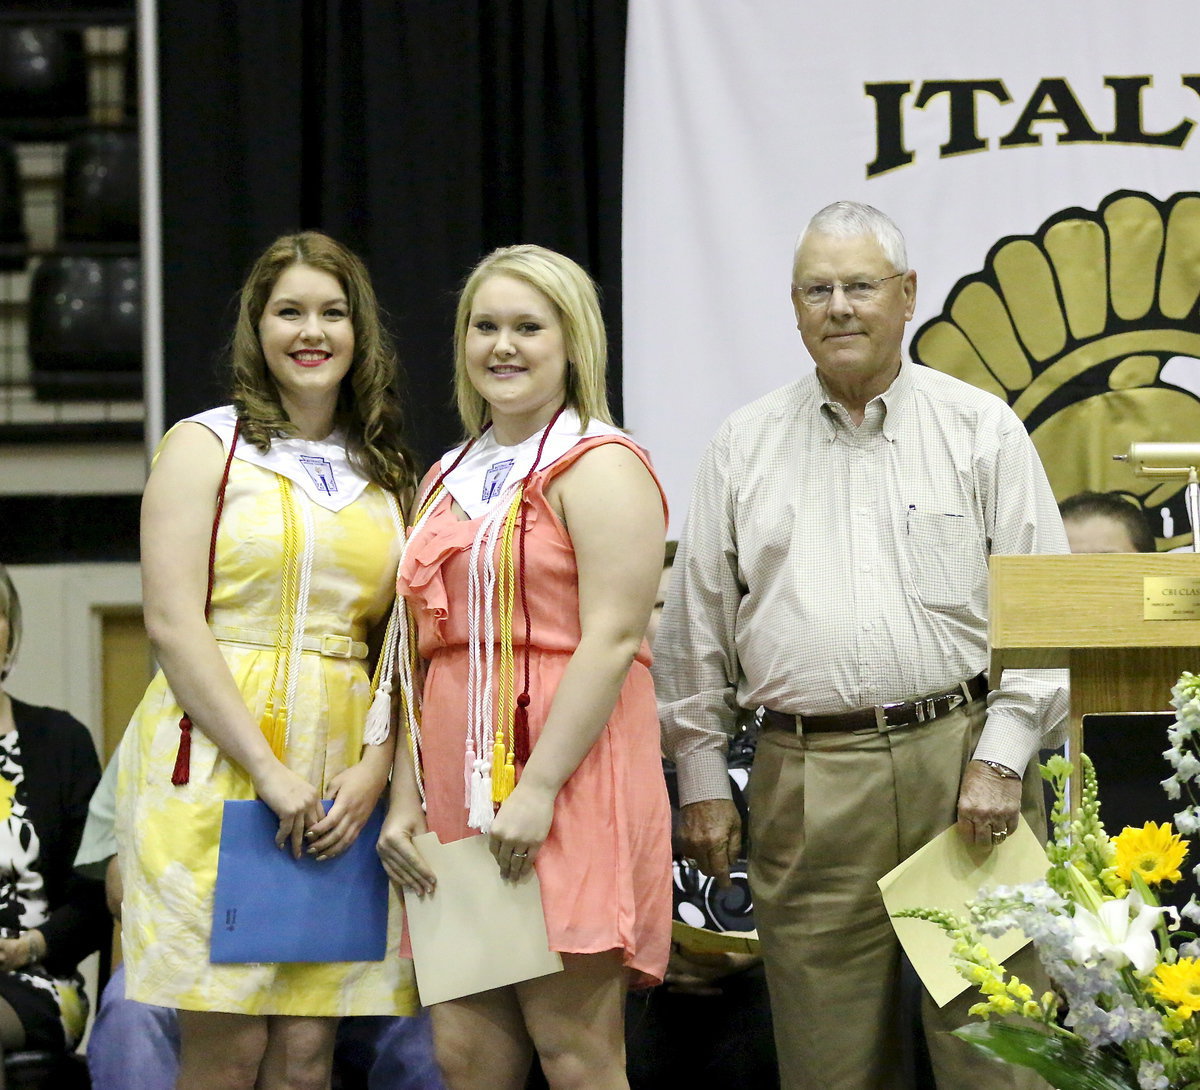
(498, 771)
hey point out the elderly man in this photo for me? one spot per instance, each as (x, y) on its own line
(834, 572)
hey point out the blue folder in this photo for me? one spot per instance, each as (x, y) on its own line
(269, 906)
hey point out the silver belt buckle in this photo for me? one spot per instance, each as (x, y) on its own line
(927, 706)
(926, 709)
(881, 710)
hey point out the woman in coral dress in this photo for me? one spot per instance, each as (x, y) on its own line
(306, 476)
(531, 572)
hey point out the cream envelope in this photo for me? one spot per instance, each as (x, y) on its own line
(700, 941)
(946, 874)
(476, 931)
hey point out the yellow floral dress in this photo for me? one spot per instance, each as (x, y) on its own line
(341, 584)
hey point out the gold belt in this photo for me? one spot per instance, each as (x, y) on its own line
(337, 647)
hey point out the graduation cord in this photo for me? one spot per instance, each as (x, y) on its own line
(183, 755)
(497, 735)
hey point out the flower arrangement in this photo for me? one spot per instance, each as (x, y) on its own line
(1124, 1009)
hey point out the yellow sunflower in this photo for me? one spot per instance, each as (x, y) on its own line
(1154, 851)
(1178, 986)
(7, 791)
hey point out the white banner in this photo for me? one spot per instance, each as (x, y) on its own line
(1041, 156)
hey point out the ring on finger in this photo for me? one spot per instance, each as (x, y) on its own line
(520, 855)
(999, 836)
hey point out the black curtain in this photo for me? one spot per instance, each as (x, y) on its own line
(422, 134)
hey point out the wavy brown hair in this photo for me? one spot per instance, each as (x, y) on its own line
(368, 404)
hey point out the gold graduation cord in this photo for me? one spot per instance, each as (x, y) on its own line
(274, 719)
(503, 756)
(504, 773)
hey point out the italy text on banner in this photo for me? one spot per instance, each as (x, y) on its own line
(1041, 156)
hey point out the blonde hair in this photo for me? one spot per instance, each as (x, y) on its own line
(368, 405)
(576, 301)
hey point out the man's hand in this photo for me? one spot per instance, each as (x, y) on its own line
(711, 831)
(989, 805)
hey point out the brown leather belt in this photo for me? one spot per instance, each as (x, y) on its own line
(881, 717)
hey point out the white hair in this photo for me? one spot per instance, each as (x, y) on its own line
(850, 219)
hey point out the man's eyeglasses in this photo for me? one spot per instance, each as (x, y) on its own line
(857, 291)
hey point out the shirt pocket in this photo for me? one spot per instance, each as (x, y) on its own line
(944, 559)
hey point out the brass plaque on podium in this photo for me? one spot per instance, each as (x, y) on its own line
(1170, 598)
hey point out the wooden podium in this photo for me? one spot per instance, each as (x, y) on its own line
(1088, 613)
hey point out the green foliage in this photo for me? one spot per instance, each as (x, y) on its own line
(1064, 1062)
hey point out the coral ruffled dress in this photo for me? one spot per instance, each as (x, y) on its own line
(605, 867)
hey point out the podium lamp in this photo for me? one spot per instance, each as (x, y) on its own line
(1170, 460)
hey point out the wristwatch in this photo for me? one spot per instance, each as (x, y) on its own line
(1003, 770)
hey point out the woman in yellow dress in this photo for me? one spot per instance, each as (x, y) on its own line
(304, 478)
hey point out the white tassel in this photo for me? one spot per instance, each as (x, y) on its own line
(479, 814)
(379, 716)
(474, 789)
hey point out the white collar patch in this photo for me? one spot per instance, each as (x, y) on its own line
(478, 481)
(319, 466)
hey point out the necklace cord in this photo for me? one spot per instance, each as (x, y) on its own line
(489, 766)
(521, 712)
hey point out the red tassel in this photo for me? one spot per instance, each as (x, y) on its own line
(183, 759)
(521, 729)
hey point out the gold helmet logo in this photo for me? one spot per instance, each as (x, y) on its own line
(1089, 330)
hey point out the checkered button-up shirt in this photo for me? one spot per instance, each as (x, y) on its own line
(827, 567)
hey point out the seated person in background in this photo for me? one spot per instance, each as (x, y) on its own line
(1106, 522)
(135, 1046)
(50, 917)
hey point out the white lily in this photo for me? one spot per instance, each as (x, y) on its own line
(1120, 931)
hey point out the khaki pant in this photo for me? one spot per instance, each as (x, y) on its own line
(830, 814)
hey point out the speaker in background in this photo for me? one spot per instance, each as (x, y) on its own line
(43, 79)
(85, 328)
(129, 76)
(1126, 749)
(13, 240)
(100, 187)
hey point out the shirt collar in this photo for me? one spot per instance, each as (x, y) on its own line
(893, 400)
